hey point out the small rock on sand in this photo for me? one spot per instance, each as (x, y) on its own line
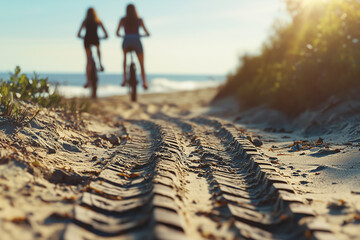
(257, 142)
(114, 140)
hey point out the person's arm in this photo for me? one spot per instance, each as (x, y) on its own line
(103, 28)
(121, 23)
(145, 29)
(81, 27)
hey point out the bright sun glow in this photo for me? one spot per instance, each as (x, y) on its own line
(306, 3)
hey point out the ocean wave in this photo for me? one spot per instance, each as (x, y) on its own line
(156, 85)
(102, 91)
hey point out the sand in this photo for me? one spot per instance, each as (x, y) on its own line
(46, 166)
(326, 175)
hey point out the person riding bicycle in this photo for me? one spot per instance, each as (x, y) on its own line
(91, 24)
(131, 23)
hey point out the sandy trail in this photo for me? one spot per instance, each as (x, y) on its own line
(149, 191)
(185, 177)
(167, 167)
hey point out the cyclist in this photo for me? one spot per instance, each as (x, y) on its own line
(91, 24)
(131, 23)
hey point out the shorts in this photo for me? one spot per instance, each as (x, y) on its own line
(132, 43)
(88, 42)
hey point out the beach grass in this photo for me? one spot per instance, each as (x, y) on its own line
(19, 90)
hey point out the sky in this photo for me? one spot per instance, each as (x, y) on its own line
(187, 37)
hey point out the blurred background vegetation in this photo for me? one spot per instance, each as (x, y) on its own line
(304, 62)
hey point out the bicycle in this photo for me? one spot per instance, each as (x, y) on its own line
(132, 77)
(91, 73)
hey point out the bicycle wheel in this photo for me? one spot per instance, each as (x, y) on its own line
(93, 89)
(93, 81)
(133, 93)
(133, 82)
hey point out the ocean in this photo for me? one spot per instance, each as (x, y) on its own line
(71, 85)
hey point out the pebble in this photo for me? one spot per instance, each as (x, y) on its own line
(257, 142)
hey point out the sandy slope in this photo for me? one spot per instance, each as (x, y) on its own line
(45, 166)
(327, 175)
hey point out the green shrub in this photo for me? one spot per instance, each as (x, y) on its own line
(304, 62)
(20, 89)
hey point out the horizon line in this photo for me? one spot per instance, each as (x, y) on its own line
(102, 73)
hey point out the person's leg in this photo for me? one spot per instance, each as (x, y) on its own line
(141, 61)
(99, 56)
(124, 69)
(88, 53)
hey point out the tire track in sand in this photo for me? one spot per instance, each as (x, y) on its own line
(248, 197)
(262, 203)
(135, 196)
(191, 179)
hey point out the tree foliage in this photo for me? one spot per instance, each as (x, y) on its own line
(304, 62)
